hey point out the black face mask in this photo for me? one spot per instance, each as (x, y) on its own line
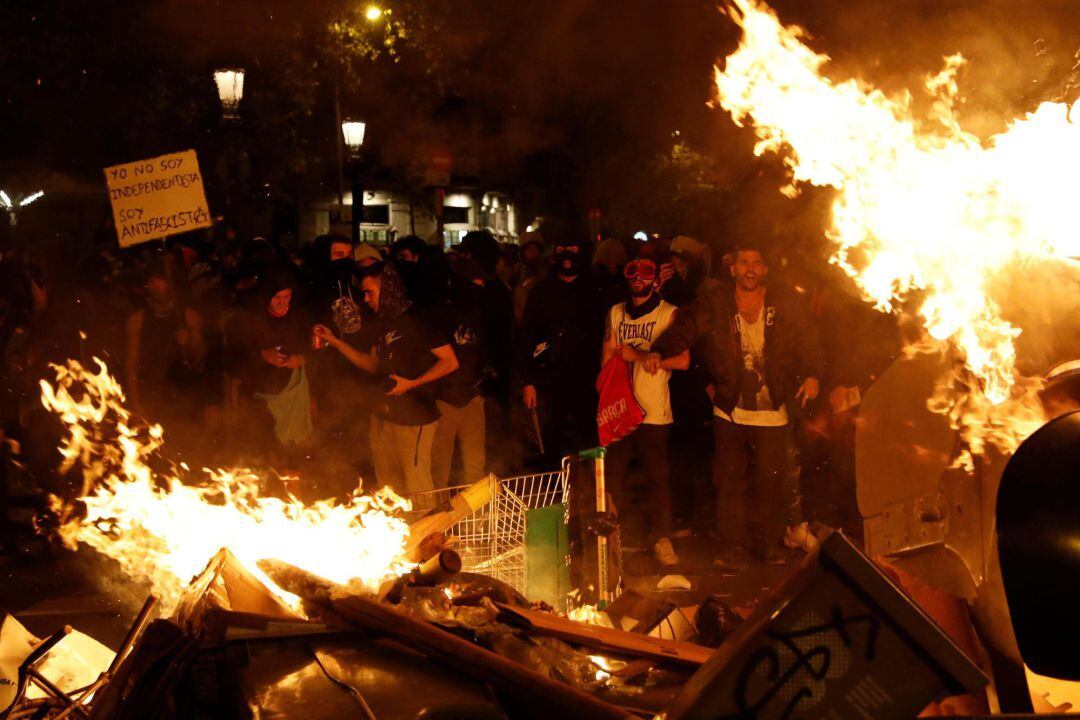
(342, 269)
(577, 263)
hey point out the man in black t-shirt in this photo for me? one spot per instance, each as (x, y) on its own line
(410, 354)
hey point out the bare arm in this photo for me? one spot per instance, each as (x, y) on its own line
(611, 347)
(366, 361)
(676, 362)
(446, 362)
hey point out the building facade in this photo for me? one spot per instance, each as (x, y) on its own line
(438, 217)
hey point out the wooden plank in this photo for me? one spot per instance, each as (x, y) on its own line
(550, 697)
(601, 638)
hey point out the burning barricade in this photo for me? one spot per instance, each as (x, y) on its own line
(348, 610)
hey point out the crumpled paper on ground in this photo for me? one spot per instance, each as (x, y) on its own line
(75, 662)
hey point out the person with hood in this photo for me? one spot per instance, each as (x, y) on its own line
(684, 277)
(275, 345)
(461, 404)
(410, 354)
(530, 272)
(562, 330)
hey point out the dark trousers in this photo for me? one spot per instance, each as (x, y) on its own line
(649, 444)
(752, 477)
(567, 419)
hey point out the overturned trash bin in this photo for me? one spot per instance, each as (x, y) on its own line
(837, 640)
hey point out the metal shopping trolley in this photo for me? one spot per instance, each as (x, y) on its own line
(491, 541)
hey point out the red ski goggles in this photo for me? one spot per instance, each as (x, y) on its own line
(644, 269)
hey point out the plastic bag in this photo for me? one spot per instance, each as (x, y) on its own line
(291, 409)
(619, 412)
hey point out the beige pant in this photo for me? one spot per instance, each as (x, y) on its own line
(402, 455)
(464, 425)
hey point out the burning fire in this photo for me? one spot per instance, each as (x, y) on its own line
(589, 615)
(165, 531)
(924, 210)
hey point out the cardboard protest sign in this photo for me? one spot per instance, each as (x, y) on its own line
(152, 199)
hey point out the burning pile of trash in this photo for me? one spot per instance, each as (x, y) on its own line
(347, 610)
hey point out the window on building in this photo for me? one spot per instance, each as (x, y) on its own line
(451, 238)
(377, 214)
(455, 215)
(376, 237)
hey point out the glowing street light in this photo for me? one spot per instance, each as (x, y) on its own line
(230, 87)
(353, 132)
(13, 206)
(373, 13)
(31, 198)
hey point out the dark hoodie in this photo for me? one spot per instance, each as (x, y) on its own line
(404, 348)
(289, 334)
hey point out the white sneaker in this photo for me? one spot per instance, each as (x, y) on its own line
(665, 553)
(800, 538)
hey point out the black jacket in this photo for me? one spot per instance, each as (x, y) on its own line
(562, 332)
(792, 350)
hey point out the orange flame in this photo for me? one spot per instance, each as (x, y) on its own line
(924, 210)
(165, 531)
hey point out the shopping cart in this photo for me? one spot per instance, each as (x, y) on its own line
(491, 541)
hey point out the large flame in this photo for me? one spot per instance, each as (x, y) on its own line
(924, 210)
(165, 531)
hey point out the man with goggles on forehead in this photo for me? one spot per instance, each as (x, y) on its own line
(631, 329)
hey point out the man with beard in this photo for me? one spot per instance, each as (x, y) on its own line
(561, 331)
(764, 360)
(631, 329)
(410, 355)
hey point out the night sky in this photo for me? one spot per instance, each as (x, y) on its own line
(567, 102)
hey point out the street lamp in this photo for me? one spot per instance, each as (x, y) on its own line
(13, 206)
(230, 88)
(373, 13)
(353, 132)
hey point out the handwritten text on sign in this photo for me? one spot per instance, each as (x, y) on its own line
(157, 197)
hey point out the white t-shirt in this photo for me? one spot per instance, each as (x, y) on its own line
(752, 341)
(651, 391)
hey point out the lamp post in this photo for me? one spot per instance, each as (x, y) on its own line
(230, 88)
(13, 206)
(353, 132)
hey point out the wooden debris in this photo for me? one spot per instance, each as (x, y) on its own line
(549, 697)
(436, 523)
(606, 639)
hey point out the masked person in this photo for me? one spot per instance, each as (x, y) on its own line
(562, 331)
(631, 329)
(461, 404)
(410, 354)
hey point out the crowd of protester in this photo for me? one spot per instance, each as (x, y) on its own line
(420, 368)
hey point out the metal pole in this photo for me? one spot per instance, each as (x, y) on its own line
(357, 202)
(340, 145)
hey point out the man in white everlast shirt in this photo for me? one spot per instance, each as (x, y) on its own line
(631, 329)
